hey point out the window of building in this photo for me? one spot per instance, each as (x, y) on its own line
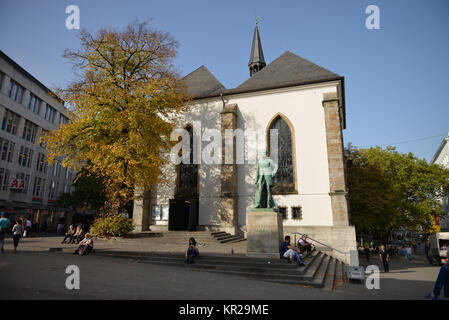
(41, 163)
(25, 157)
(43, 133)
(63, 119)
(50, 113)
(2, 77)
(4, 178)
(30, 131)
(284, 178)
(57, 168)
(34, 104)
(283, 212)
(10, 122)
(15, 91)
(52, 190)
(7, 149)
(297, 213)
(39, 187)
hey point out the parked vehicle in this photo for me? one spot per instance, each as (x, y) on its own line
(439, 244)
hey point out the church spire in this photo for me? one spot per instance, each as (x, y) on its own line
(256, 61)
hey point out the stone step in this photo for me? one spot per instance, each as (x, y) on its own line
(321, 273)
(224, 236)
(215, 233)
(212, 259)
(231, 238)
(330, 275)
(339, 280)
(277, 270)
(314, 266)
(236, 240)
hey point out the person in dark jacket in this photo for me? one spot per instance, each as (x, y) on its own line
(384, 257)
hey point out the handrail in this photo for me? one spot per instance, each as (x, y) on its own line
(319, 243)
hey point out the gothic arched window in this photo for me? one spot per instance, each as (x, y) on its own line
(285, 179)
(188, 172)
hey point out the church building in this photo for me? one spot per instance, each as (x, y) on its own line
(306, 104)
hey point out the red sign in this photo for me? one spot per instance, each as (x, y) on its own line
(17, 184)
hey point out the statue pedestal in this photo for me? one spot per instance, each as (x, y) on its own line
(264, 233)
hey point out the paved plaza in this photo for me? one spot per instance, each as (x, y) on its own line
(36, 273)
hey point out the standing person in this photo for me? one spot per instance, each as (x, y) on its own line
(17, 231)
(384, 257)
(4, 224)
(28, 227)
(442, 281)
(408, 251)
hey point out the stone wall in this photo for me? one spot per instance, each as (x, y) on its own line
(338, 237)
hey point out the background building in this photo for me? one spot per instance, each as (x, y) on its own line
(441, 157)
(28, 185)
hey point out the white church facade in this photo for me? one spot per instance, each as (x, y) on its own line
(306, 104)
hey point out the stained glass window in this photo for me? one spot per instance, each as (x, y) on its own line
(285, 175)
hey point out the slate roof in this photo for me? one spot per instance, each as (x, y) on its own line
(202, 83)
(287, 70)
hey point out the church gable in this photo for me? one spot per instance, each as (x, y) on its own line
(202, 83)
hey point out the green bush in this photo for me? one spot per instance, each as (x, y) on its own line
(111, 225)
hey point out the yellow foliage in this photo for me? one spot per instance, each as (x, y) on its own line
(123, 108)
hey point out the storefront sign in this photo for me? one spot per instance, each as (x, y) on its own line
(17, 184)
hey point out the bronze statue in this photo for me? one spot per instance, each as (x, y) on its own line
(264, 177)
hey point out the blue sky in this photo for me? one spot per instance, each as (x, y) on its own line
(396, 77)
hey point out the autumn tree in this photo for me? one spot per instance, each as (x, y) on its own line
(389, 190)
(124, 103)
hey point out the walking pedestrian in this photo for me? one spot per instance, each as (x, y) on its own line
(4, 224)
(442, 281)
(408, 251)
(28, 227)
(384, 257)
(17, 231)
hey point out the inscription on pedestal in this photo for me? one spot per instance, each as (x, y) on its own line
(264, 234)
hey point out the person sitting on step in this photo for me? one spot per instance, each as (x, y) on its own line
(85, 246)
(77, 236)
(304, 245)
(288, 251)
(69, 234)
(191, 251)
